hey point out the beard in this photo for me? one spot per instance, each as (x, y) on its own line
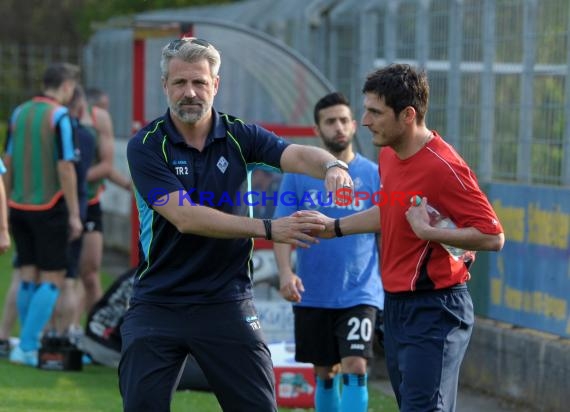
(187, 114)
(336, 147)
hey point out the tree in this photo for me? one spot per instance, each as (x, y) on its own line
(70, 22)
(34, 33)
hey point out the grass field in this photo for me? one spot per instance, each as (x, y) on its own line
(94, 389)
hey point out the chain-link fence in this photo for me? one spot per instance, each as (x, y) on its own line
(498, 69)
(498, 72)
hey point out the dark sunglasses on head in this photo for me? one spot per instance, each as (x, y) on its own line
(175, 45)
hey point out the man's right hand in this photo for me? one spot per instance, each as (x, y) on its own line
(297, 230)
(4, 241)
(291, 287)
(327, 231)
(75, 227)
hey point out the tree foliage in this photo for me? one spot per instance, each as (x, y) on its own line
(70, 22)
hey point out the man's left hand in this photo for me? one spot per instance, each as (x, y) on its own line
(337, 179)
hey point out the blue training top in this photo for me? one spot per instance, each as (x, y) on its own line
(340, 272)
(186, 268)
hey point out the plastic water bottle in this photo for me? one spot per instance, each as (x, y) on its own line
(436, 219)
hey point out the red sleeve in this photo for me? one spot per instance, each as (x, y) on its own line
(469, 206)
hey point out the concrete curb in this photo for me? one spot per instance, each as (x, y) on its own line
(514, 368)
(522, 365)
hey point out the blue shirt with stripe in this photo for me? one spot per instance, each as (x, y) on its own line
(187, 268)
(340, 272)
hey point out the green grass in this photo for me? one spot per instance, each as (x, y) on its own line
(95, 389)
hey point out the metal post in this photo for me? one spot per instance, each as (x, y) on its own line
(487, 128)
(524, 147)
(453, 99)
(565, 178)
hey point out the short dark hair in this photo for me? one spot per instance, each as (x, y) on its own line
(331, 99)
(401, 86)
(57, 73)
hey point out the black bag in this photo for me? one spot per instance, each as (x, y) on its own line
(102, 340)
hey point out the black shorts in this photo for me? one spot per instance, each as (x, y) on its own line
(73, 258)
(324, 336)
(94, 220)
(41, 237)
(225, 339)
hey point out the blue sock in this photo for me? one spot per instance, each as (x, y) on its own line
(327, 395)
(39, 313)
(25, 292)
(354, 393)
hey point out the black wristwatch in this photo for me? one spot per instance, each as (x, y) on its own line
(336, 163)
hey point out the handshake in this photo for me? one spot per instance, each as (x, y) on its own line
(302, 228)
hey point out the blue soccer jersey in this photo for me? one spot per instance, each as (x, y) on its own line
(340, 272)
